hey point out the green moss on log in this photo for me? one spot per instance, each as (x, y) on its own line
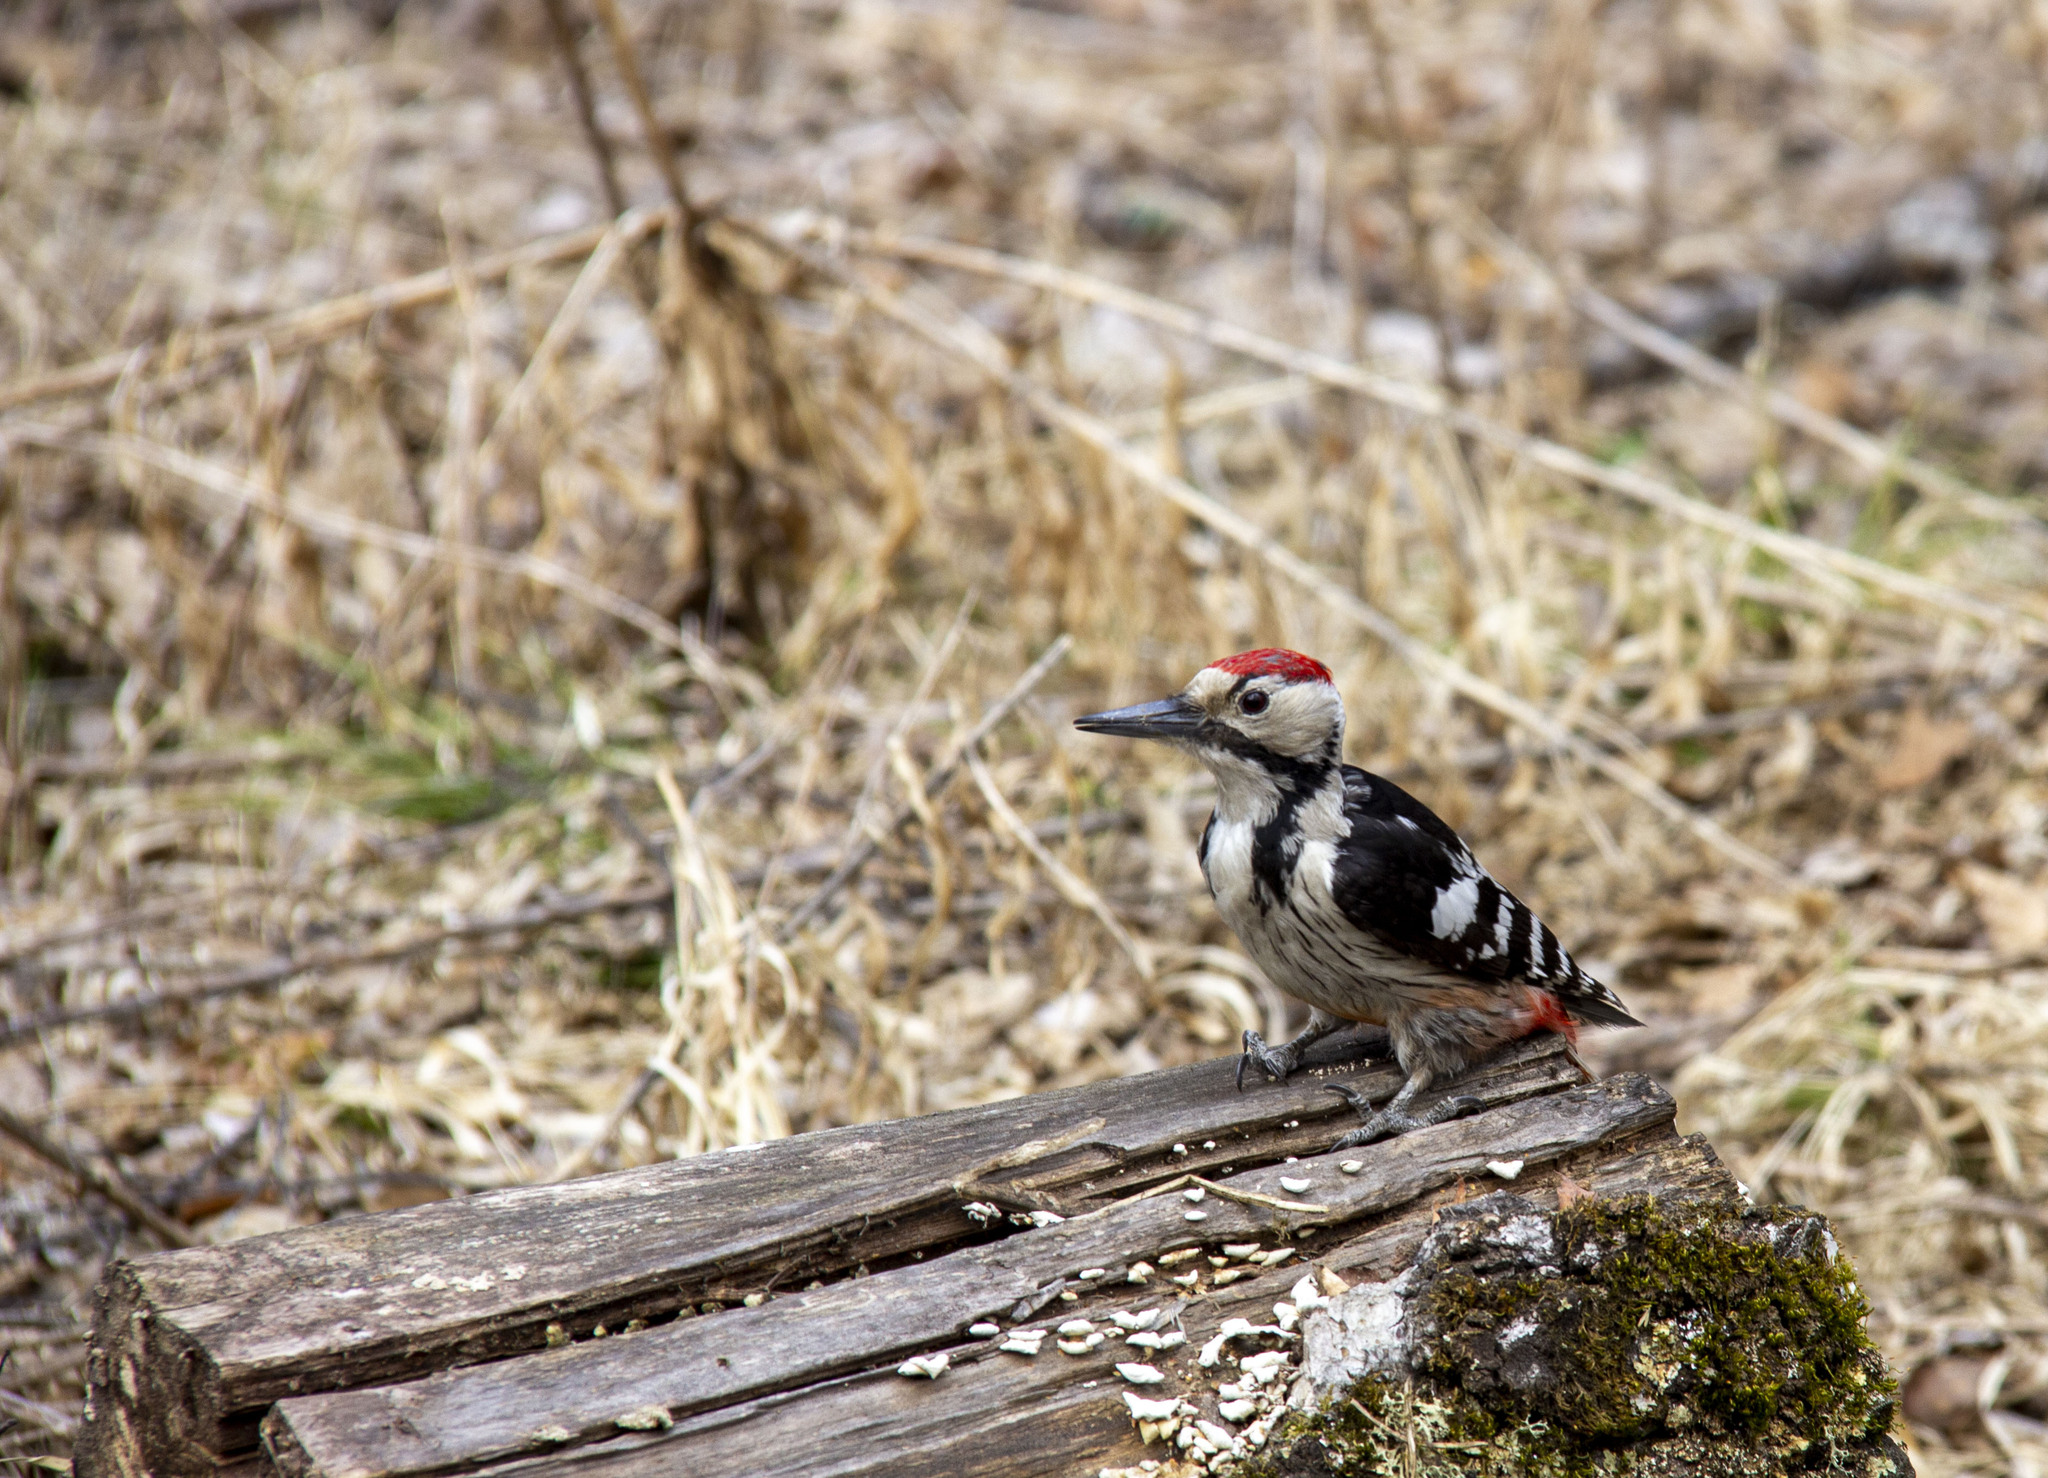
(1693, 1338)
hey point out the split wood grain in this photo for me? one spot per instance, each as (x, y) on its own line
(994, 1413)
(189, 1349)
(466, 1418)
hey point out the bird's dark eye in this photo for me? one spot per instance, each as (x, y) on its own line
(1252, 702)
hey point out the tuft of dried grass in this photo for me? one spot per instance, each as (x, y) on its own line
(547, 554)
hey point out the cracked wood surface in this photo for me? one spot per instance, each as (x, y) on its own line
(477, 1414)
(996, 1415)
(190, 1348)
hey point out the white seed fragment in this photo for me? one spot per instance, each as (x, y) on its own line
(1294, 1185)
(1219, 1262)
(1181, 1256)
(1139, 1272)
(552, 1432)
(1180, 1149)
(1223, 1440)
(1263, 1366)
(1187, 1280)
(1208, 1144)
(1140, 1375)
(1505, 1169)
(1240, 1249)
(924, 1367)
(1232, 1391)
(982, 1212)
(1286, 1315)
(1089, 1275)
(1194, 1216)
(1352, 1167)
(1193, 1193)
(1145, 1339)
(1151, 1408)
(1080, 1346)
(1229, 1276)
(984, 1329)
(1123, 1319)
(1075, 1328)
(645, 1419)
(1237, 1411)
(1276, 1257)
(1292, 1124)
(754, 1300)
(1046, 1218)
(1020, 1346)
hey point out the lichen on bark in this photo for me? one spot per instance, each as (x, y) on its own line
(1635, 1337)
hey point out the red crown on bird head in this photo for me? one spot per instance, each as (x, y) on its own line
(1274, 662)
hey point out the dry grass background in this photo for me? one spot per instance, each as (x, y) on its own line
(467, 691)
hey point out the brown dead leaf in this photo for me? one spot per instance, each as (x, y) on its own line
(1921, 751)
(1942, 1393)
(1570, 1192)
(1717, 990)
(2015, 913)
(1825, 385)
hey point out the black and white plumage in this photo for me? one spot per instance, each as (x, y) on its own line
(1351, 894)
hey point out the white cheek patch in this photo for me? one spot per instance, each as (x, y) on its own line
(1243, 789)
(1455, 909)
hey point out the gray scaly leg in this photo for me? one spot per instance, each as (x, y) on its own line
(1278, 1062)
(1395, 1118)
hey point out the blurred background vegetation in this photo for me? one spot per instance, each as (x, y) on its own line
(512, 511)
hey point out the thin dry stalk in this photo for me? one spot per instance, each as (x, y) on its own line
(101, 1182)
(1875, 457)
(1076, 889)
(302, 328)
(347, 528)
(1241, 531)
(936, 781)
(1795, 549)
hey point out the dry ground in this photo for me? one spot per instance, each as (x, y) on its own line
(372, 666)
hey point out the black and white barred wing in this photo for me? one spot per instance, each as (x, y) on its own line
(1406, 878)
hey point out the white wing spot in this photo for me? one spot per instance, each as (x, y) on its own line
(1407, 823)
(1455, 907)
(1504, 925)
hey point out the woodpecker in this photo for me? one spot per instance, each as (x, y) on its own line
(1352, 895)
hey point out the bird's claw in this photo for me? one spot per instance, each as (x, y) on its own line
(1275, 1062)
(1393, 1119)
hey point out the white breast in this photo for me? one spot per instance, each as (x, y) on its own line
(1304, 943)
(1228, 866)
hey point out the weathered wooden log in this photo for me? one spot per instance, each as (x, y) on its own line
(747, 1311)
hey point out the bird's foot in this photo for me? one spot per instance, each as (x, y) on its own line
(1275, 1062)
(1395, 1118)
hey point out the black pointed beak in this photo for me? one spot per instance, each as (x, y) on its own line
(1168, 718)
